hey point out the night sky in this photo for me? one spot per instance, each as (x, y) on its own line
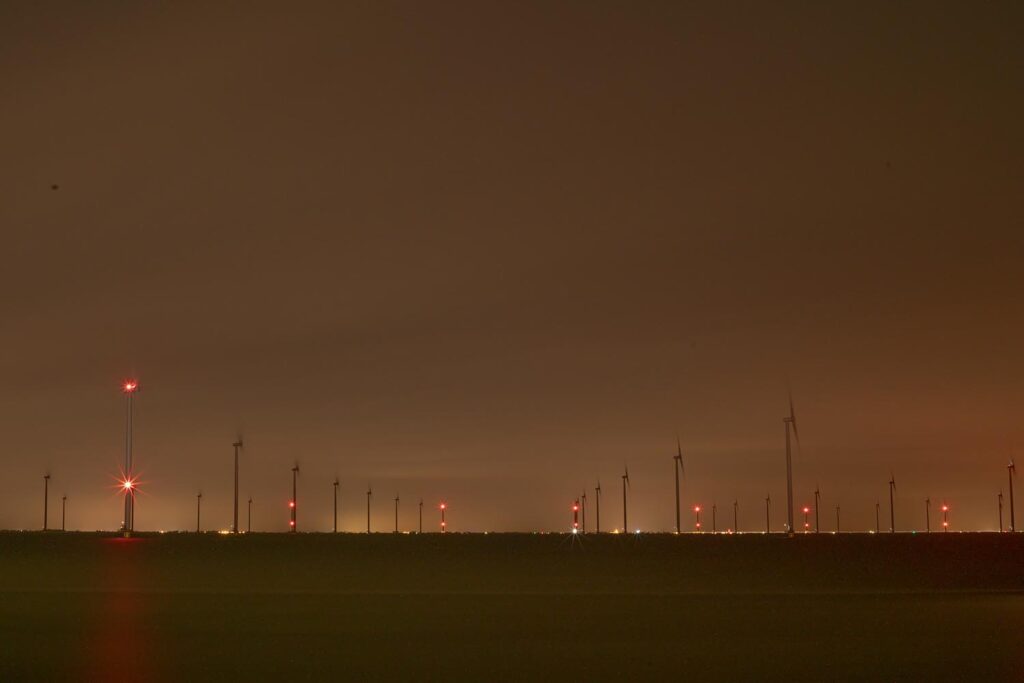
(492, 252)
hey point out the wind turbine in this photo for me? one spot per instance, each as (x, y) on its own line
(335, 504)
(396, 513)
(1000, 512)
(199, 504)
(878, 524)
(237, 445)
(837, 519)
(295, 499)
(790, 422)
(768, 514)
(64, 510)
(817, 509)
(736, 516)
(421, 515)
(625, 502)
(583, 509)
(677, 467)
(597, 500)
(575, 517)
(927, 515)
(696, 511)
(1011, 472)
(945, 517)
(444, 523)
(46, 500)
(714, 518)
(249, 528)
(128, 484)
(369, 495)
(892, 510)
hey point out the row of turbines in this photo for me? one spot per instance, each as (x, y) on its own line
(129, 485)
(579, 505)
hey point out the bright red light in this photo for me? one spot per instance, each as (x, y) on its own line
(130, 386)
(291, 522)
(443, 506)
(291, 503)
(575, 508)
(127, 484)
(945, 508)
(806, 510)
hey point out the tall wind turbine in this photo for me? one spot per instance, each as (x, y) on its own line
(625, 502)
(128, 484)
(790, 423)
(892, 510)
(677, 467)
(1011, 472)
(237, 445)
(597, 501)
(295, 498)
(369, 495)
(46, 500)
(817, 510)
(335, 504)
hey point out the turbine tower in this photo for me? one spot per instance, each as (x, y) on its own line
(369, 494)
(1011, 472)
(625, 502)
(790, 423)
(817, 509)
(249, 527)
(295, 498)
(837, 519)
(128, 484)
(597, 502)
(335, 505)
(234, 520)
(927, 515)
(1000, 512)
(421, 515)
(46, 500)
(199, 505)
(736, 516)
(396, 513)
(583, 509)
(64, 510)
(677, 467)
(892, 511)
(768, 514)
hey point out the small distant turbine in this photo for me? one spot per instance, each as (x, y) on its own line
(625, 502)
(444, 524)
(736, 516)
(335, 504)
(575, 516)
(1011, 472)
(294, 522)
(199, 506)
(597, 501)
(677, 467)
(237, 445)
(837, 519)
(64, 510)
(817, 509)
(129, 387)
(945, 517)
(369, 495)
(807, 523)
(696, 511)
(249, 527)
(878, 524)
(46, 500)
(768, 514)
(714, 518)
(421, 515)
(583, 510)
(927, 515)
(892, 509)
(396, 513)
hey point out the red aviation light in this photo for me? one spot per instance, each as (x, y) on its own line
(291, 503)
(130, 386)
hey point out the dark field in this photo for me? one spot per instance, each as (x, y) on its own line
(179, 607)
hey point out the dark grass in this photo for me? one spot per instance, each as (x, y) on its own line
(511, 607)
